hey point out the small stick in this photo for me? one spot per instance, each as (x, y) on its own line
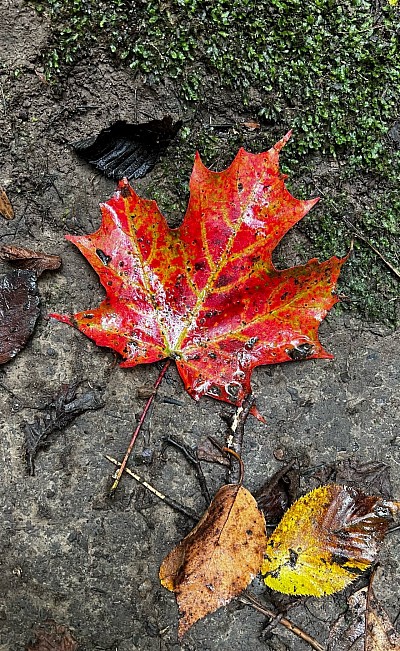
(168, 500)
(191, 456)
(125, 460)
(249, 599)
(235, 438)
(238, 458)
(371, 246)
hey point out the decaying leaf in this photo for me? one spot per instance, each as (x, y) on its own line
(372, 477)
(59, 412)
(219, 558)
(207, 450)
(380, 633)
(19, 297)
(325, 540)
(278, 493)
(19, 311)
(24, 258)
(6, 209)
(51, 636)
(365, 626)
(129, 150)
(207, 293)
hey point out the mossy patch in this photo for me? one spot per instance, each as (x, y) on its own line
(329, 70)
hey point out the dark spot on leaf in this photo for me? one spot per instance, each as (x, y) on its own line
(251, 343)
(293, 556)
(298, 353)
(340, 559)
(233, 390)
(214, 390)
(106, 259)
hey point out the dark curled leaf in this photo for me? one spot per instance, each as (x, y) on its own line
(28, 259)
(128, 150)
(372, 477)
(19, 310)
(61, 411)
(278, 493)
(51, 636)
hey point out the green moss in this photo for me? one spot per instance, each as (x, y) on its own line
(329, 70)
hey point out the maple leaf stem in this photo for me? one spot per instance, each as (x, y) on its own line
(147, 406)
(249, 599)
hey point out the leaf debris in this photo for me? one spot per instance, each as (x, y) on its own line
(60, 412)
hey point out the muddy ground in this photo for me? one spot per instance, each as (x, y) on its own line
(67, 552)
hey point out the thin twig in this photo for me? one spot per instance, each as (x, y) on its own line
(236, 434)
(371, 246)
(249, 599)
(239, 460)
(191, 456)
(168, 500)
(125, 460)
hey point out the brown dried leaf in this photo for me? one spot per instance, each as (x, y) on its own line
(252, 125)
(278, 493)
(24, 258)
(372, 477)
(219, 558)
(19, 310)
(209, 451)
(51, 636)
(6, 209)
(359, 629)
(380, 633)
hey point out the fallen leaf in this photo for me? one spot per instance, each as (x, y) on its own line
(19, 311)
(372, 477)
(51, 636)
(6, 209)
(207, 450)
(325, 540)
(251, 125)
(219, 558)
(129, 150)
(207, 293)
(24, 258)
(365, 626)
(276, 495)
(380, 632)
(59, 412)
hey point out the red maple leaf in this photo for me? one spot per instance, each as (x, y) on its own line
(207, 294)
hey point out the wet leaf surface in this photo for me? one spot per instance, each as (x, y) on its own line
(51, 636)
(59, 413)
(219, 558)
(207, 293)
(19, 311)
(325, 540)
(24, 258)
(6, 209)
(129, 150)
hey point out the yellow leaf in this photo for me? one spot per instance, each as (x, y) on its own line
(325, 540)
(219, 558)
